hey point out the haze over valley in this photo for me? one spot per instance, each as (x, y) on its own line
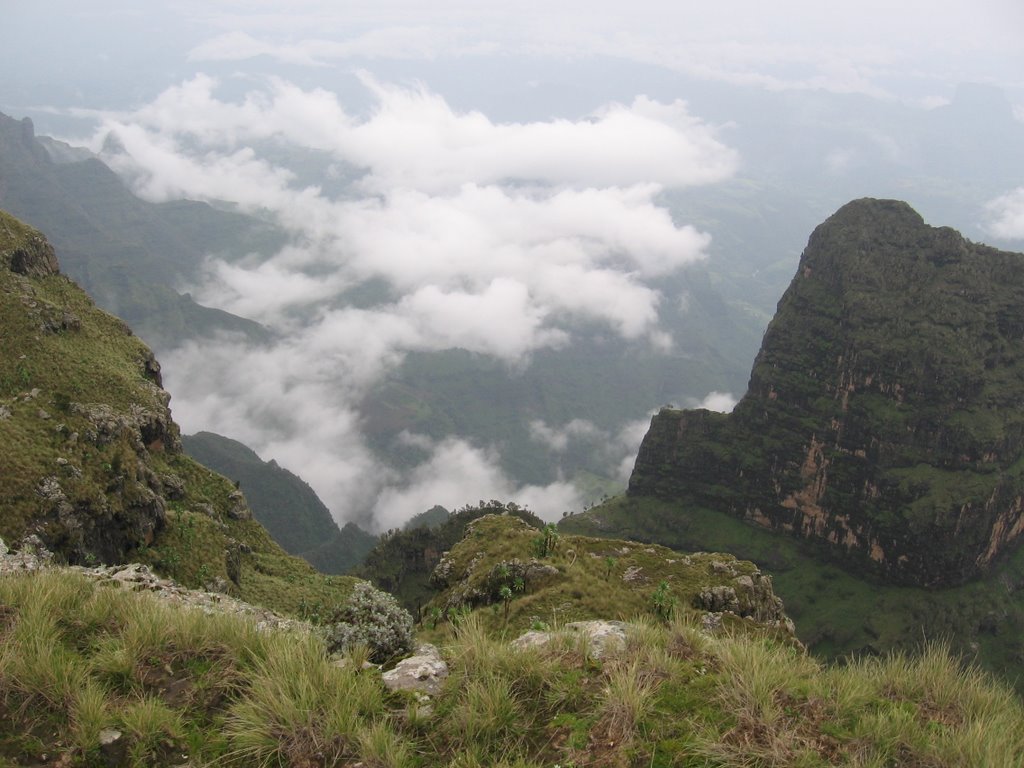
(485, 250)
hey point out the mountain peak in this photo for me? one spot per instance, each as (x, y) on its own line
(881, 419)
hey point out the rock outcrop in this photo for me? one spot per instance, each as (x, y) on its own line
(495, 567)
(883, 417)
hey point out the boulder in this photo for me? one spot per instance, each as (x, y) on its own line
(424, 672)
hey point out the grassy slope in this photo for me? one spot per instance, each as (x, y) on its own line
(837, 613)
(184, 687)
(100, 362)
(587, 578)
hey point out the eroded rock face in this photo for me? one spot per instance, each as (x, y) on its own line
(883, 417)
(35, 258)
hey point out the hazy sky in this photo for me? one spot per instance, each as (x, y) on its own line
(513, 156)
(107, 53)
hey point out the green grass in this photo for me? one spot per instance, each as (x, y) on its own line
(71, 376)
(583, 578)
(183, 686)
(838, 614)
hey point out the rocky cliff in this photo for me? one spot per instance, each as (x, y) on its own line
(91, 463)
(882, 420)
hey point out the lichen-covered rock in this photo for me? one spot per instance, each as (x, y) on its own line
(424, 672)
(34, 257)
(882, 420)
(602, 638)
(238, 508)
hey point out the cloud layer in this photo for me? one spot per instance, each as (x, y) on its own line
(1006, 215)
(790, 44)
(500, 239)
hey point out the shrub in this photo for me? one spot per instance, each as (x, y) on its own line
(374, 619)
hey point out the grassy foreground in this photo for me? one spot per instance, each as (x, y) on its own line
(836, 612)
(184, 687)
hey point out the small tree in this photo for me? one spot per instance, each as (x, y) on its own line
(545, 544)
(662, 601)
(609, 563)
(372, 618)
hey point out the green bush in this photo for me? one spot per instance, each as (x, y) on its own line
(374, 619)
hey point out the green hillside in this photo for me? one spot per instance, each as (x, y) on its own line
(284, 504)
(90, 459)
(91, 675)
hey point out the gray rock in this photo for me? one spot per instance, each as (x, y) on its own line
(3, 548)
(602, 637)
(173, 487)
(711, 623)
(718, 598)
(238, 509)
(423, 672)
(744, 582)
(113, 747)
(633, 573)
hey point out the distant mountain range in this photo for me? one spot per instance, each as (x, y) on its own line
(128, 254)
(285, 504)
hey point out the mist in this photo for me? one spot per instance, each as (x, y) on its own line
(511, 183)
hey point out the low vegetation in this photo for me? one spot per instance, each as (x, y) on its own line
(89, 456)
(836, 613)
(495, 568)
(79, 661)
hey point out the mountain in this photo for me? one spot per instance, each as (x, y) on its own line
(121, 677)
(284, 504)
(115, 666)
(882, 419)
(128, 254)
(90, 458)
(881, 431)
(542, 577)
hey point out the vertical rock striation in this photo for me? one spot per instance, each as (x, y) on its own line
(883, 418)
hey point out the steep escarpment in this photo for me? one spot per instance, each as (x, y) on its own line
(882, 419)
(91, 464)
(284, 504)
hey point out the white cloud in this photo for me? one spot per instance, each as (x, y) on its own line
(557, 439)
(791, 44)
(1006, 215)
(723, 402)
(458, 473)
(501, 239)
(616, 449)
(838, 161)
(413, 139)
(627, 442)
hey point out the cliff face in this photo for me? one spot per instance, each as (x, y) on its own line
(91, 462)
(883, 416)
(82, 414)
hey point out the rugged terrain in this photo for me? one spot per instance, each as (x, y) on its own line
(91, 460)
(882, 420)
(705, 672)
(874, 465)
(284, 504)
